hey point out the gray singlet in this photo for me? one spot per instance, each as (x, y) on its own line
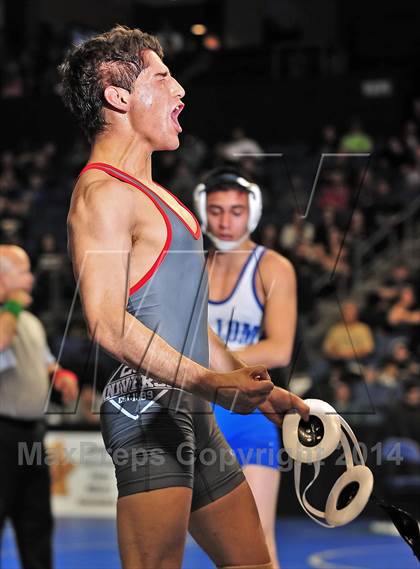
(160, 436)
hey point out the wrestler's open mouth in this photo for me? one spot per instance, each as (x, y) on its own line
(174, 116)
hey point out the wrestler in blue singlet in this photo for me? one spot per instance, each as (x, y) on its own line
(237, 321)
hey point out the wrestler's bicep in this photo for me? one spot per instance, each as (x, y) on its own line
(280, 308)
(100, 245)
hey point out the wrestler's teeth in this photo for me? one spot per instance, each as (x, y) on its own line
(178, 109)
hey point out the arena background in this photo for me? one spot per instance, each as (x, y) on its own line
(295, 83)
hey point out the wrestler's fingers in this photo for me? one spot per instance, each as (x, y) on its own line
(300, 406)
(275, 418)
(262, 388)
(259, 372)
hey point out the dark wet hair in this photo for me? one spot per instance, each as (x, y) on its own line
(111, 58)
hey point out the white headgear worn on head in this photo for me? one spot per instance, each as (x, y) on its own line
(224, 179)
(312, 441)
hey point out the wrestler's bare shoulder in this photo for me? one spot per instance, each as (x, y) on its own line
(97, 196)
(274, 265)
(95, 187)
(274, 269)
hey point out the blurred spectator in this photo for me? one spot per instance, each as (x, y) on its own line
(404, 316)
(411, 178)
(334, 257)
(77, 156)
(297, 231)
(341, 398)
(8, 178)
(193, 152)
(239, 144)
(165, 165)
(48, 257)
(334, 192)
(335, 389)
(395, 152)
(410, 136)
(183, 183)
(386, 202)
(328, 220)
(35, 190)
(170, 39)
(357, 229)
(388, 374)
(375, 312)
(399, 278)
(404, 416)
(329, 140)
(269, 236)
(305, 269)
(356, 140)
(356, 235)
(249, 165)
(52, 277)
(404, 361)
(350, 339)
(373, 392)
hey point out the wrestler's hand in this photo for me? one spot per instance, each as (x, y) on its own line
(244, 389)
(279, 402)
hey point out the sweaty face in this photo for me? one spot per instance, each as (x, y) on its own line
(228, 214)
(155, 104)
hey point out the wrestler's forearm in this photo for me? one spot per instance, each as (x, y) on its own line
(267, 352)
(140, 348)
(221, 359)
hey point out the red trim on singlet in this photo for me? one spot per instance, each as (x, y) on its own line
(108, 169)
(196, 234)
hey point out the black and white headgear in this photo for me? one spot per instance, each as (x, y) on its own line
(224, 180)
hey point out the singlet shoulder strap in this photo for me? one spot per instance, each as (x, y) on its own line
(118, 174)
(123, 177)
(258, 255)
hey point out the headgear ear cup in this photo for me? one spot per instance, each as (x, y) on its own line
(255, 207)
(351, 492)
(199, 199)
(254, 198)
(353, 489)
(316, 439)
(313, 440)
(349, 496)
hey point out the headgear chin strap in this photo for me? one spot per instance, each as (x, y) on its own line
(237, 182)
(311, 442)
(224, 245)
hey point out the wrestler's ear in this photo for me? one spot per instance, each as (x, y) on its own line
(117, 97)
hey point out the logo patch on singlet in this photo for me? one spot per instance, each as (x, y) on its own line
(127, 380)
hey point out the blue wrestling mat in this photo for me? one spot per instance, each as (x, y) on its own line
(91, 544)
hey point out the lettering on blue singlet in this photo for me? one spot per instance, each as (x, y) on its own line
(235, 331)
